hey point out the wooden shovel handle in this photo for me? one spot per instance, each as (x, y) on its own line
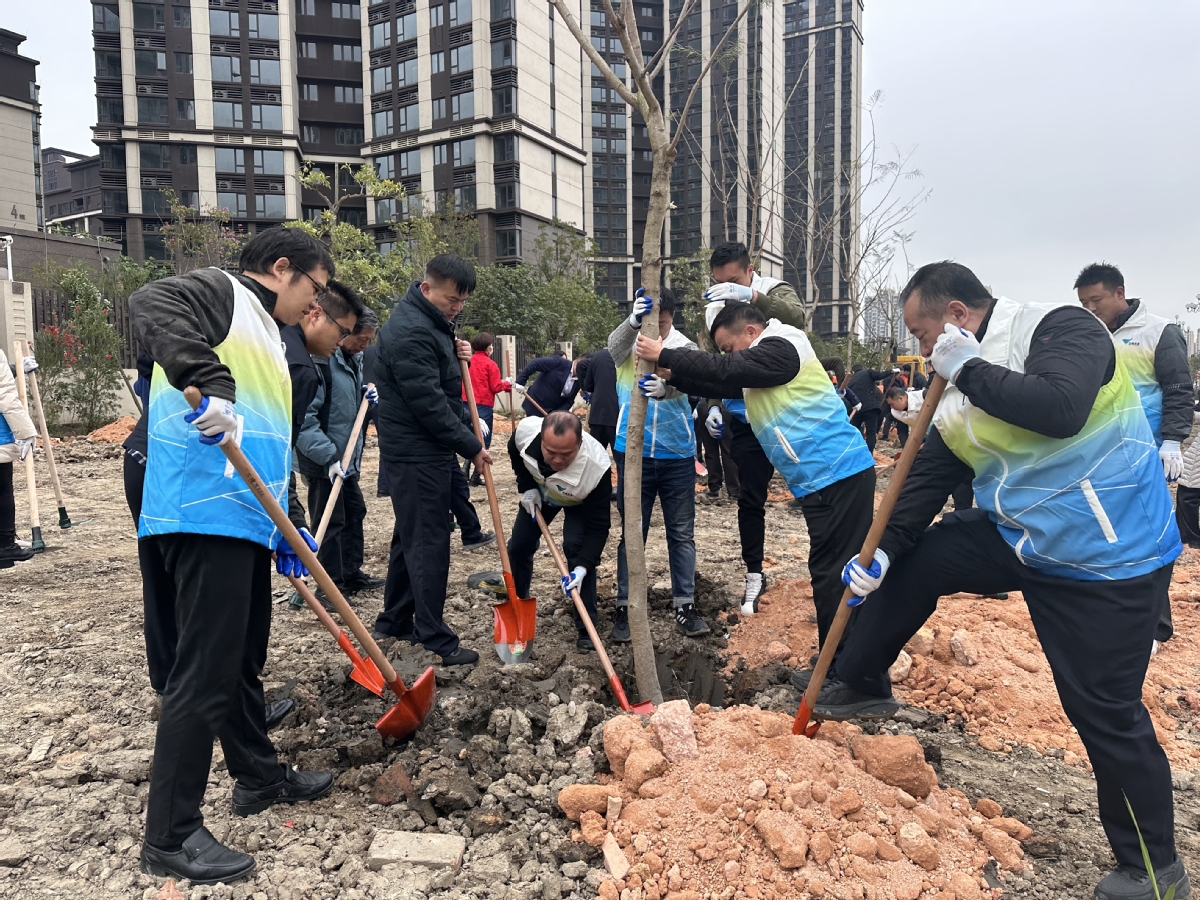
(346, 458)
(493, 501)
(30, 473)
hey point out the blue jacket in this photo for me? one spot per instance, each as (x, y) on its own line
(330, 417)
(669, 432)
(553, 372)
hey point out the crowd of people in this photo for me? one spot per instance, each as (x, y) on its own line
(1057, 435)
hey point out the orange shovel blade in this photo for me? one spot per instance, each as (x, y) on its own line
(365, 672)
(412, 706)
(803, 725)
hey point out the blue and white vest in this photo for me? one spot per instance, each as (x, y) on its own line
(669, 432)
(1137, 341)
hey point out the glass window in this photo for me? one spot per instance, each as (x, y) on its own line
(599, 144)
(154, 156)
(185, 154)
(231, 160)
(270, 206)
(462, 106)
(355, 217)
(347, 53)
(310, 134)
(410, 162)
(105, 18)
(222, 23)
(460, 12)
(263, 25)
(381, 80)
(149, 63)
(506, 196)
(154, 203)
(227, 115)
(504, 54)
(439, 155)
(382, 123)
(385, 167)
(439, 109)
(264, 71)
(464, 198)
(345, 11)
(503, 102)
(508, 243)
(115, 201)
(436, 16)
(501, 9)
(381, 35)
(505, 148)
(350, 137)
(226, 68)
(406, 27)
(347, 93)
(408, 117)
(385, 210)
(460, 59)
(308, 50)
(464, 152)
(266, 117)
(108, 64)
(183, 17)
(306, 7)
(149, 17)
(185, 110)
(183, 63)
(268, 162)
(112, 156)
(437, 62)
(308, 91)
(234, 203)
(152, 111)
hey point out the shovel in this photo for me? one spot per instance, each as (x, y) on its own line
(642, 709)
(515, 619)
(346, 458)
(412, 705)
(866, 556)
(64, 520)
(35, 520)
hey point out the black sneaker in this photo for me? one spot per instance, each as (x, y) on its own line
(361, 581)
(201, 860)
(475, 481)
(756, 585)
(1132, 883)
(295, 787)
(460, 657)
(688, 621)
(15, 553)
(620, 629)
(801, 679)
(485, 539)
(584, 644)
(277, 712)
(839, 701)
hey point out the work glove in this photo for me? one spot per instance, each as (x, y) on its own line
(28, 364)
(24, 445)
(715, 423)
(719, 293)
(370, 394)
(216, 419)
(531, 502)
(1172, 459)
(484, 429)
(520, 389)
(863, 581)
(895, 370)
(587, 396)
(857, 407)
(287, 562)
(652, 386)
(336, 470)
(642, 304)
(573, 581)
(952, 350)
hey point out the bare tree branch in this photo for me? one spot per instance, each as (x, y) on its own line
(594, 55)
(716, 51)
(660, 58)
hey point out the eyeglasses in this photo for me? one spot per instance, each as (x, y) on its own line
(345, 332)
(319, 290)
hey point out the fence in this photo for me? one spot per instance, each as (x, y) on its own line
(52, 308)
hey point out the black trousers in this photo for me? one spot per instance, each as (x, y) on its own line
(867, 421)
(414, 597)
(8, 507)
(1096, 636)
(461, 507)
(754, 476)
(718, 455)
(963, 496)
(341, 551)
(838, 519)
(605, 434)
(523, 544)
(158, 588)
(1187, 514)
(223, 613)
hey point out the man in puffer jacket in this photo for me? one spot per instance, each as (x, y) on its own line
(16, 442)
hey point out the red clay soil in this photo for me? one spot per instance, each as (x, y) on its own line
(1007, 697)
(114, 433)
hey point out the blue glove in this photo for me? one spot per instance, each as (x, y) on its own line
(652, 386)
(216, 419)
(371, 395)
(953, 348)
(728, 291)
(587, 396)
(642, 304)
(287, 563)
(863, 581)
(574, 580)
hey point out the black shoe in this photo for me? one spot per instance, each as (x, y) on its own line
(1132, 883)
(584, 644)
(201, 860)
(795, 504)
(361, 581)
(461, 657)
(620, 629)
(475, 481)
(488, 537)
(801, 678)
(15, 553)
(688, 621)
(839, 701)
(294, 787)
(277, 712)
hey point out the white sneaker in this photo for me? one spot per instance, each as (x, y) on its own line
(1154, 649)
(756, 583)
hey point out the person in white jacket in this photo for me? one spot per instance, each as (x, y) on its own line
(16, 442)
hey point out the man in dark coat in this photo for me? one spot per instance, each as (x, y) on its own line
(598, 378)
(555, 387)
(864, 385)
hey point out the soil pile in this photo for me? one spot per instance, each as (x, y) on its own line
(746, 809)
(114, 433)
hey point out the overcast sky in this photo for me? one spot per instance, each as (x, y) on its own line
(1052, 134)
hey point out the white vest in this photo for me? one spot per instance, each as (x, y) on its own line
(572, 485)
(1137, 341)
(916, 399)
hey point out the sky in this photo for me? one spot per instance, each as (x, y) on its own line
(1050, 134)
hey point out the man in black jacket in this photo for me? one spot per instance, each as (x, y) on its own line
(599, 380)
(558, 466)
(863, 382)
(423, 423)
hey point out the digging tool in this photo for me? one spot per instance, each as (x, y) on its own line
(35, 521)
(514, 619)
(536, 405)
(364, 671)
(64, 520)
(644, 708)
(866, 556)
(346, 458)
(412, 705)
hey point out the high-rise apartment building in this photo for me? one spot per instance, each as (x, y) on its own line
(71, 190)
(20, 137)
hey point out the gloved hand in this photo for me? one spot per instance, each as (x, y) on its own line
(370, 394)
(216, 419)
(587, 396)
(1172, 459)
(642, 304)
(28, 364)
(287, 562)
(952, 350)
(895, 370)
(715, 423)
(863, 581)
(531, 502)
(519, 389)
(652, 386)
(728, 291)
(573, 581)
(484, 428)
(24, 445)
(857, 407)
(336, 471)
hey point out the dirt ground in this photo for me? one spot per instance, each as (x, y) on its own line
(77, 719)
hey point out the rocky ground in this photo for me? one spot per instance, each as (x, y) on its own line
(77, 725)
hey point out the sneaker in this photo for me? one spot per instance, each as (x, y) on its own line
(475, 481)
(485, 539)
(460, 657)
(584, 644)
(361, 581)
(756, 584)
(795, 504)
(620, 629)
(295, 786)
(839, 701)
(201, 860)
(1132, 883)
(688, 621)
(712, 498)
(1154, 649)
(801, 678)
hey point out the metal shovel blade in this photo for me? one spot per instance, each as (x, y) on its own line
(363, 670)
(411, 708)
(513, 624)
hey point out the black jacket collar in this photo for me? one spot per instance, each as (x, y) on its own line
(1124, 317)
(265, 296)
(418, 299)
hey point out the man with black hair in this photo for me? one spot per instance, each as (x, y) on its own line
(559, 467)
(423, 424)
(1043, 414)
(668, 466)
(864, 382)
(220, 333)
(797, 418)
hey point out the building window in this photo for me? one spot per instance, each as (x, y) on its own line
(185, 154)
(348, 137)
(406, 27)
(436, 16)
(347, 53)
(149, 63)
(439, 109)
(464, 198)
(460, 12)
(114, 201)
(310, 134)
(108, 64)
(227, 115)
(460, 59)
(112, 156)
(154, 203)
(504, 102)
(504, 149)
(503, 53)
(439, 154)
(222, 23)
(347, 93)
(345, 11)
(270, 206)
(149, 17)
(268, 162)
(308, 91)
(381, 80)
(264, 26)
(501, 9)
(234, 203)
(385, 167)
(264, 71)
(154, 156)
(110, 110)
(105, 18)
(226, 68)
(506, 196)
(183, 64)
(308, 50)
(152, 111)
(355, 217)
(462, 106)
(185, 110)
(306, 7)
(437, 62)
(410, 163)
(266, 117)
(385, 210)
(230, 160)
(407, 72)
(508, 243)
(599, 144)
(382, 123)
(408, 118)
(381, 35)
(463, 152)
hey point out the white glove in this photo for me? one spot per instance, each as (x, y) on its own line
(863, 581)
(857, 407)
(531, 501)
(336, 471)
(24, 445)
(952, 350)
(520, 389)
(216, 419)
(728, 291)
(642, 304)
(484, 429)
(573, 581)
(29, 364)
(652, 386)
(715, 423)
(1172, 459)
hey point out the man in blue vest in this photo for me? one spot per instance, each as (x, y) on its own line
(1073, 511)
